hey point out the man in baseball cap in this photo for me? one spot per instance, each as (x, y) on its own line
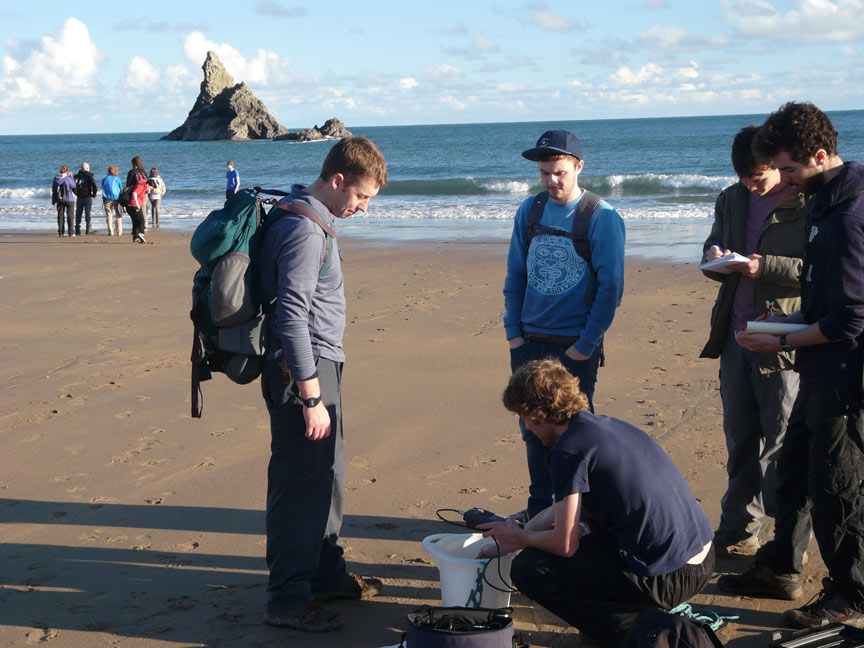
(565, 279)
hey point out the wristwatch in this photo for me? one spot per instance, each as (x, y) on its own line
(311, 402)
(784, 345)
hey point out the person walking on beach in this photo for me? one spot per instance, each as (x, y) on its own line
(232, 180)
(85, 190)
(111, 187)
(156, 191)
(135, 209)
(301, 382)
(625, 533)
(565, 279)
(762, 218)
(821, 462)
(63, 196)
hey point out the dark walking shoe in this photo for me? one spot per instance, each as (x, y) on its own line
(825, 607)
(724, 546)
(761, 580)
(310, 617)
(353, 587)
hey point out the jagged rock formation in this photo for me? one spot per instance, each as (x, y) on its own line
(332, 129)
(224, 110)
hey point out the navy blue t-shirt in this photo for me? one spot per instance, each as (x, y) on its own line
(631, 487)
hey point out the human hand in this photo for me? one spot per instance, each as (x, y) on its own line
(714, 252)
(516, 342)
(507, 532)
(573, 354)
(758, 341)
(317, 422)
(754, 268)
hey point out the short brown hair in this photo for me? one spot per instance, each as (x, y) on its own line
(544, 388)
(552, 157)
(64, 169)
(355, 158)
(800, 129)
(137, 163)
(112, 170)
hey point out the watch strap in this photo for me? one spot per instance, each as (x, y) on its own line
(312, 402)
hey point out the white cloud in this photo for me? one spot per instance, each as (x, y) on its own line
(139, 74)
(625, 76)
(676, 39)
(444, 72)
(482, 44)
(550, 21)
(407, 83)
(264, 68)
(850, 52)
(807, 21)
(66, 64)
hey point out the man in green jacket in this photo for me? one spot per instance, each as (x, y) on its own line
(761, 218)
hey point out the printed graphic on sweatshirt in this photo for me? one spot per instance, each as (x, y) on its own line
(553, 265)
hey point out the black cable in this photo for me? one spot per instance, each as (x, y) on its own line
(451, 510)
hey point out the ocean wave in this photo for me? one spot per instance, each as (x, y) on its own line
(25, 193)
(653, 183)
(458, 187)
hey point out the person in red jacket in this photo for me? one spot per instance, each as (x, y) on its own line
(135, 209)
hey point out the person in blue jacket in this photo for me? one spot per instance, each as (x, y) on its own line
(111, 188)
(560, 295)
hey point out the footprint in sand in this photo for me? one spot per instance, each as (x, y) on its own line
(116, 539)
(191, 545)
(154, 500)
(471, 491)
(125, 414)
(41, 636)
(208, 461)
(144, 398)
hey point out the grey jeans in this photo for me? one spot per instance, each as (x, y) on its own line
(756, 410)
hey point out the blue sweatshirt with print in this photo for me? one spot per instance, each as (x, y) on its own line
(549, 288)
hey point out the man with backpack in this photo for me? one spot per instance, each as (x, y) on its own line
(301, 276)
(63, 196)
(565, 279)
(85, 189)
(821, 463)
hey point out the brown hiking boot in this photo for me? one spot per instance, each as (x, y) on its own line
(353, 587)
(826, 607)
(310, 617)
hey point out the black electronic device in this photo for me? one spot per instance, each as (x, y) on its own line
(476, 516)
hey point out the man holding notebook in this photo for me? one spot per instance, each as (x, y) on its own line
(821, 462)
(763, 220)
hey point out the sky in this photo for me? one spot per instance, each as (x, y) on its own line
(102, 67)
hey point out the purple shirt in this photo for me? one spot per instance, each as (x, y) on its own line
(758, 210)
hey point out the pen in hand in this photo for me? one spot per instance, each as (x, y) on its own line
(717, 243)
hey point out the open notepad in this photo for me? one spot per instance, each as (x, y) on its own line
(722, 264)
(773, 328)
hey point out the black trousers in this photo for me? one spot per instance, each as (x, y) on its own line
(821, 473)
(65, 210)
(85, 204)
(138, 223)
(595, 592)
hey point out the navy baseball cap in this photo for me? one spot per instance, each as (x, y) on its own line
(555, 142)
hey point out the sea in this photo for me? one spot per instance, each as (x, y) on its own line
(455, 182)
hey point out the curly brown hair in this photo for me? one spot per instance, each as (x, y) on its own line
(800, 129)
(544, 388)
(744, 159)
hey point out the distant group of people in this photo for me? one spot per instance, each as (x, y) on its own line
(611, 528)
(67, 190)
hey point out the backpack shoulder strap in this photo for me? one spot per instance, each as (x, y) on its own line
(308, 211)
(535, 215)
(582, 223)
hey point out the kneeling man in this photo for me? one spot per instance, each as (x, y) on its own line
(625, 533)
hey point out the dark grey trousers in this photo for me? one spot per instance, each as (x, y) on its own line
(756, 409)
(305, 491)
(821, 469)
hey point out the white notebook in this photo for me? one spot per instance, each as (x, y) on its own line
(722, 264)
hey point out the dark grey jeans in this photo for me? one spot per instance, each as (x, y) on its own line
(756, 409)
(821, 470)
(305, 491)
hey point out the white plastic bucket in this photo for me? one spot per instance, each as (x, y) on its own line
(462, 574)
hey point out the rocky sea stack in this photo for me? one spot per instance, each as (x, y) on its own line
(332, 129)
(225, 111)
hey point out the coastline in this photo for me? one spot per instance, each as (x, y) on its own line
(125, 518)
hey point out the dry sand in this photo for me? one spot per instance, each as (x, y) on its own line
(127, 523)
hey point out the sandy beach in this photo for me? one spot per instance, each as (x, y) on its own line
(127, 523)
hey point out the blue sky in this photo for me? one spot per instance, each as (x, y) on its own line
(79, 67)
